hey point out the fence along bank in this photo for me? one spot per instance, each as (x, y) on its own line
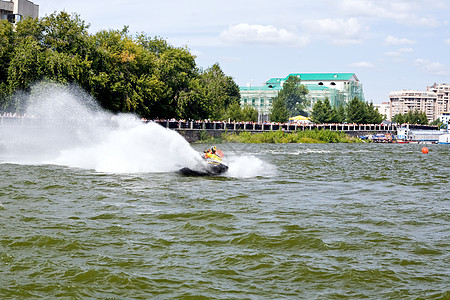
(191, 130)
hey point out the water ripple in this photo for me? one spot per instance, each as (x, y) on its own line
(335, 221)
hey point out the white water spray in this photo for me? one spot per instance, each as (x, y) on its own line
(74, 131)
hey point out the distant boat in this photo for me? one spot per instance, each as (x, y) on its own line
(414, 133)
(444, 139)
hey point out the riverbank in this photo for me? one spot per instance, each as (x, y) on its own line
(279, 137)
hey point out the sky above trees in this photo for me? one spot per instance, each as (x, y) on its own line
(389, 45)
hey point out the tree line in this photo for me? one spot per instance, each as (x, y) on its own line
(411, 117)
(124, 73)
(143, 75)
(356, 111)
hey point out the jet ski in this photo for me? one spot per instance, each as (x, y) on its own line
(211, 164)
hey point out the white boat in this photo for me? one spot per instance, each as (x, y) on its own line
(444, 139)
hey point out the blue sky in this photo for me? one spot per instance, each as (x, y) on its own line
(389, 45)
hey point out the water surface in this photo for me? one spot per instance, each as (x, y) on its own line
(293, 221)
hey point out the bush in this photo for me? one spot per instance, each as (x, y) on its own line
(281, 137)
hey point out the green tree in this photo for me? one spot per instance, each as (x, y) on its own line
(437, 123)
(423, 119)
(399, 118)
(193, 103)
(24, 67)
(356, 111)
(294, 95)
(279, 112)
(46, 49)
(139, 74)
(249, 114)
(320, 111)
(210, 97)
(6, 48)
(66, 45)
(222, 91)
(317, 113)
(372, 114)
(175, 66)
(411, 117)
(323, 112)
(237, 113)
(339, 114)
(6, 52)
(416, 117)
(234, 112)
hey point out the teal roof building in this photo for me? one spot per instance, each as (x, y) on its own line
(339, 88)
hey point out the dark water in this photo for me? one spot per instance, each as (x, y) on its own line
(317, 222)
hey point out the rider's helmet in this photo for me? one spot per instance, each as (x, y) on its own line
(213, 149)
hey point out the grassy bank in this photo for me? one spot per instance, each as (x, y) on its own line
(308, 136)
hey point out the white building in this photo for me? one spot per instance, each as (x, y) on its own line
(339, 88)
(16, 10)
(434, 101)
(445, 117)
(442, 97)
(384, 109)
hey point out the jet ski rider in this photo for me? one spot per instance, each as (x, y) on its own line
(211, 152)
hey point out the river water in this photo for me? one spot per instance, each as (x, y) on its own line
(320, 221)
(99, 212)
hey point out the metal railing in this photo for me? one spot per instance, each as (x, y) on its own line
(266, 126)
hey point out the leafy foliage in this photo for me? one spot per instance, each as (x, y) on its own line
(293, 95)
(237, 113)
(307, 136)
(279, 112)
(139, 74)
(411, 117)
(323, 112)
(355, 112)
(439, 123)
(362, 113)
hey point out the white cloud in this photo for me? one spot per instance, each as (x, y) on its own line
(363, 64)
(397, 55)
(447, 41)
(361, 8)
(244, 33)
(405, 12)
(338, 31)
(391, 40)
(435, 68)
(404, 50)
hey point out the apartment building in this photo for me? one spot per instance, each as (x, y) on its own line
(434, 101)
(16, 10)
(442, 97)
